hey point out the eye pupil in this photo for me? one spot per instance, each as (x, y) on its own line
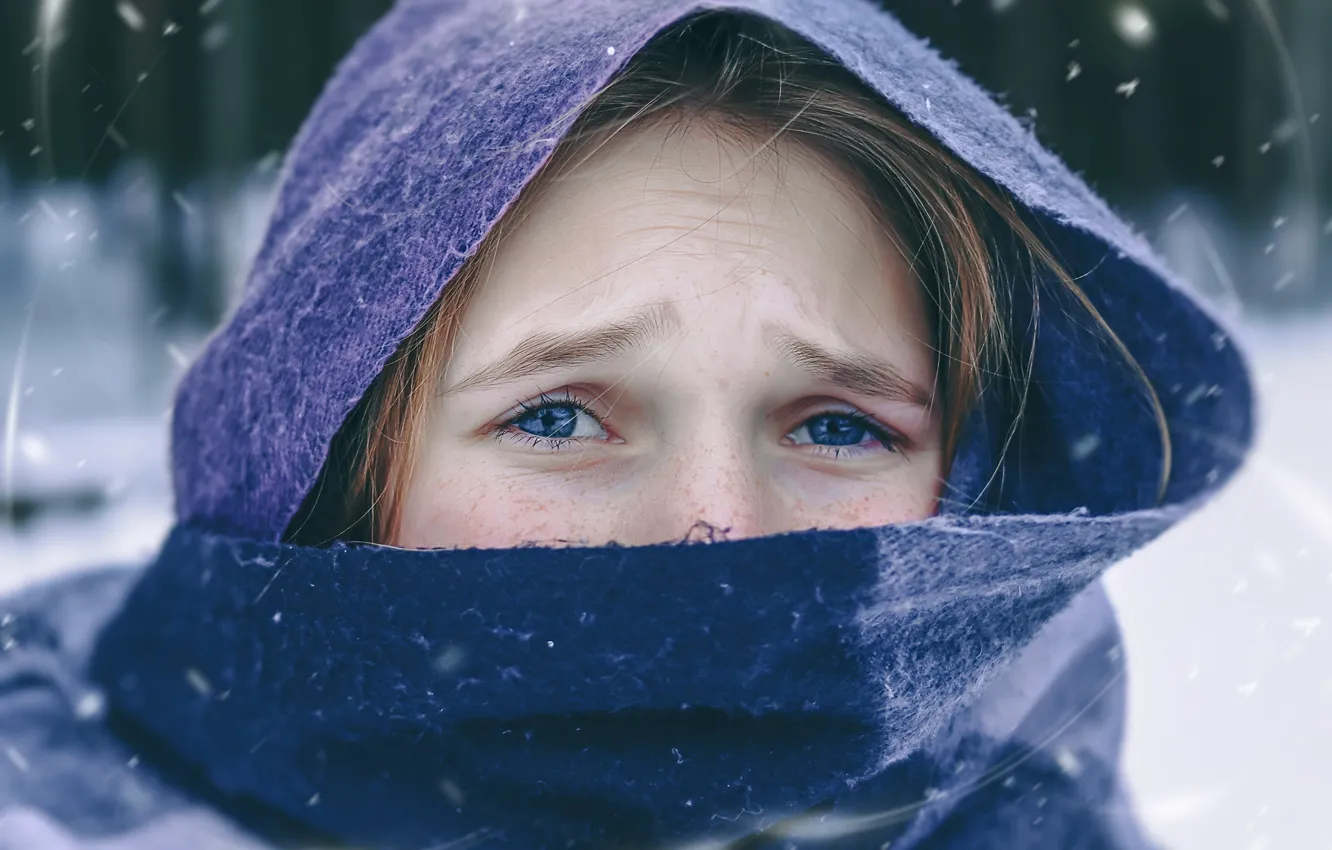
(555, 421)
(836, 430)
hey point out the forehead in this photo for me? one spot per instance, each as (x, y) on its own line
(679, 212)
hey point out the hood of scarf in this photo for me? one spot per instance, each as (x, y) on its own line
(618, 696)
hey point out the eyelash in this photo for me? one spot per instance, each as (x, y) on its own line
(887, 439)
(506, 430)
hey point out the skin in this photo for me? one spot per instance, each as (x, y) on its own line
(723, 246)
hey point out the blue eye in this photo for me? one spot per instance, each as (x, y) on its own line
(552, 423)
(555, 421)
(837, 430)
(838, 434)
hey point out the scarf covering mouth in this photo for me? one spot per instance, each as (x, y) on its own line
(818, 685)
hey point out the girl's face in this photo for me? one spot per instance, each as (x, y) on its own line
(684, 329)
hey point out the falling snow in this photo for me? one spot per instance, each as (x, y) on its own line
(1134, 25)
(452, 791)
(1218, 9)
(215, 36)
(1127, 89)
(1085, 447)
(1306, 625)
(1285, 131)
(17, 759)
(90, 706)
(130, 14)
(1068, 761)
(450, 660)
(181, 202)
(177, 355)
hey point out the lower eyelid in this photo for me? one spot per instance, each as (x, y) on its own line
(551, 444)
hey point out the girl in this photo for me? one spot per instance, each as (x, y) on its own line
(554, 291)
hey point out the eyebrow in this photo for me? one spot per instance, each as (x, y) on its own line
(547, 351)
(855, 371)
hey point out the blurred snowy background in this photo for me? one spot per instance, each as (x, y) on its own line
(140, 141)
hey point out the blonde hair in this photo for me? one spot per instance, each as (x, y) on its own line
(757, 79)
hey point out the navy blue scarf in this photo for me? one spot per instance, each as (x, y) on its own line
(610, 696)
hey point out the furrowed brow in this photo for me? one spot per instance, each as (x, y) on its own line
(547, 351)
(854, 371)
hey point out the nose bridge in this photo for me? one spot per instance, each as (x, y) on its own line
(713, 476)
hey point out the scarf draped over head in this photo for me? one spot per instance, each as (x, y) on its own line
(909, 682)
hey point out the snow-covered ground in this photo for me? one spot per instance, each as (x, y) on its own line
(1228, 626)
(1228, 619)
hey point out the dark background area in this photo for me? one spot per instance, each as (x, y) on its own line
(1223, 100)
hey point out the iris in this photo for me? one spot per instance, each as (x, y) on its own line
(551, 421)
(835, 429)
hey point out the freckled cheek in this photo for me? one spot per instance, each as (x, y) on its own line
(845, 513)
(496, 512)
(879, 507)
